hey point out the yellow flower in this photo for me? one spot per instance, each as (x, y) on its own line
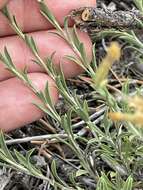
(113, 54)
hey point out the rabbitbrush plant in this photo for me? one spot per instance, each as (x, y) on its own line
(111, 158)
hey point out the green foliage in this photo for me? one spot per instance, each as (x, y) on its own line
(105, 184)
(117, 145)
(18, 161)
(139, 4)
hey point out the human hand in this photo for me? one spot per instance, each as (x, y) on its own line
(16, 108)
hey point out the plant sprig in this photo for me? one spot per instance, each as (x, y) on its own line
(110, 145)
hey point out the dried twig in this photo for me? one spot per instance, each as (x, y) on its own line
(90, 18)
(35, 138)
(98, 115)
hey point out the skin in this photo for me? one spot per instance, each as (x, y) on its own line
(2, 3)
(16, 108)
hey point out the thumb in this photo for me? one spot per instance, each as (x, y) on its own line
(2, 3)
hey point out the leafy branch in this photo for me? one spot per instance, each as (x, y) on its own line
(107, 142)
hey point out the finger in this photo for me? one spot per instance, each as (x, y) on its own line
(29, 18)
(47, 44)
(16, 108)
(2, 3)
